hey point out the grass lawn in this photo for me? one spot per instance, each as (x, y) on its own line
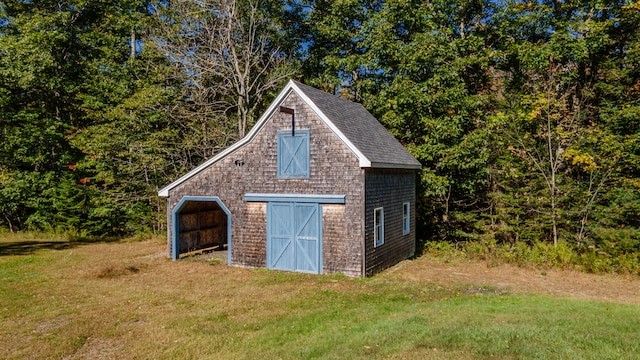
(124, 299)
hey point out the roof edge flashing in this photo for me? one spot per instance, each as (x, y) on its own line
(395, 166)
(362, 159)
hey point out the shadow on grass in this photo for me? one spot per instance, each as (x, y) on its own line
(27, 247)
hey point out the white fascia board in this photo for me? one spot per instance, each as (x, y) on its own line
(363, 161)
(164, 192)
(395, 166)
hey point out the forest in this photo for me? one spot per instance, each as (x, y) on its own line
(524, 114)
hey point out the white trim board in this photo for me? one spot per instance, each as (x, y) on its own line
(363, 161)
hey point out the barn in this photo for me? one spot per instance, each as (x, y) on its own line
(318, 186)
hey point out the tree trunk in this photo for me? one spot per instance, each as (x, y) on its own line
(132, 55)
(552, 182)
(9, 222)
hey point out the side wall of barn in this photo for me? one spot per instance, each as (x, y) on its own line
(334, 170)
(389, 189)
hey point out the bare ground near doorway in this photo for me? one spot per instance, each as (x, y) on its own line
(218, 255)
(507, 278)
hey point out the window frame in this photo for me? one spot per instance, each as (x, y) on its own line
(282, 134)
(378, 227)
(406, 217)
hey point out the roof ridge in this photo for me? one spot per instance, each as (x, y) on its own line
(367, 138)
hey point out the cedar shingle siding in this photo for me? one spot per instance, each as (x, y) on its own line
(389, 189)
(335, 169)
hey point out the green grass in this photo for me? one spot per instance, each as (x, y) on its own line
(357, 326)
(125, 300)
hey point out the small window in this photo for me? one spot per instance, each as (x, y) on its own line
(378, 227)
(406, 218)
(293, 155)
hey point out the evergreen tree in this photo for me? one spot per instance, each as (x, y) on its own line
(58, 74)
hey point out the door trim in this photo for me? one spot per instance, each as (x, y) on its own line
(297, 198)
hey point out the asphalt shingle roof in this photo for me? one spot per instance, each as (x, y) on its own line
(353, 122)
(361, 128)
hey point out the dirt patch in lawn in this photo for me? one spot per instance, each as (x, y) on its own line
(508, 278)
(479, 277)
(125, 299)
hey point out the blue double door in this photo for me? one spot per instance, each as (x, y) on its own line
(294, 237)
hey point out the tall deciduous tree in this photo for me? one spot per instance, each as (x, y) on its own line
(547, 122)
(564, 159)
(423, 69)
(230, 58)
(132, 148)
(43, 52)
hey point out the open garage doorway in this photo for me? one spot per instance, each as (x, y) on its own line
(200, 224)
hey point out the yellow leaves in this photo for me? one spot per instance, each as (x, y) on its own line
(635, 6)
(535, 113)
(4, 176)
(584, 160)
(392, 104)
(563, 133)
(540, 105)
(636, 87)
(344, 3)
(633, 182)
(524, 7)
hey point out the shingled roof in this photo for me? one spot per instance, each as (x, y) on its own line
(362, 130)
(374, 146)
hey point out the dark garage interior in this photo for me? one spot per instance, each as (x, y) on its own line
(202, 226)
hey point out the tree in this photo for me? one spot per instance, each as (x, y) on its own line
(132, 148)
(58, 65)
(229, 60)
(563, 158)
(426, 75)
(327, 35)
(544, 123)
(41, 68)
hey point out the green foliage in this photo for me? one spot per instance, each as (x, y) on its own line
(618, 257)
(126, 168)
(86, 136)
(525, 115)
(423, 71)
(445, 250)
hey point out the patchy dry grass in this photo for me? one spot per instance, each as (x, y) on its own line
(62, 299)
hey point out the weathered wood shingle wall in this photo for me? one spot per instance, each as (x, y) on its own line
(389, 189)
(334, 169)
